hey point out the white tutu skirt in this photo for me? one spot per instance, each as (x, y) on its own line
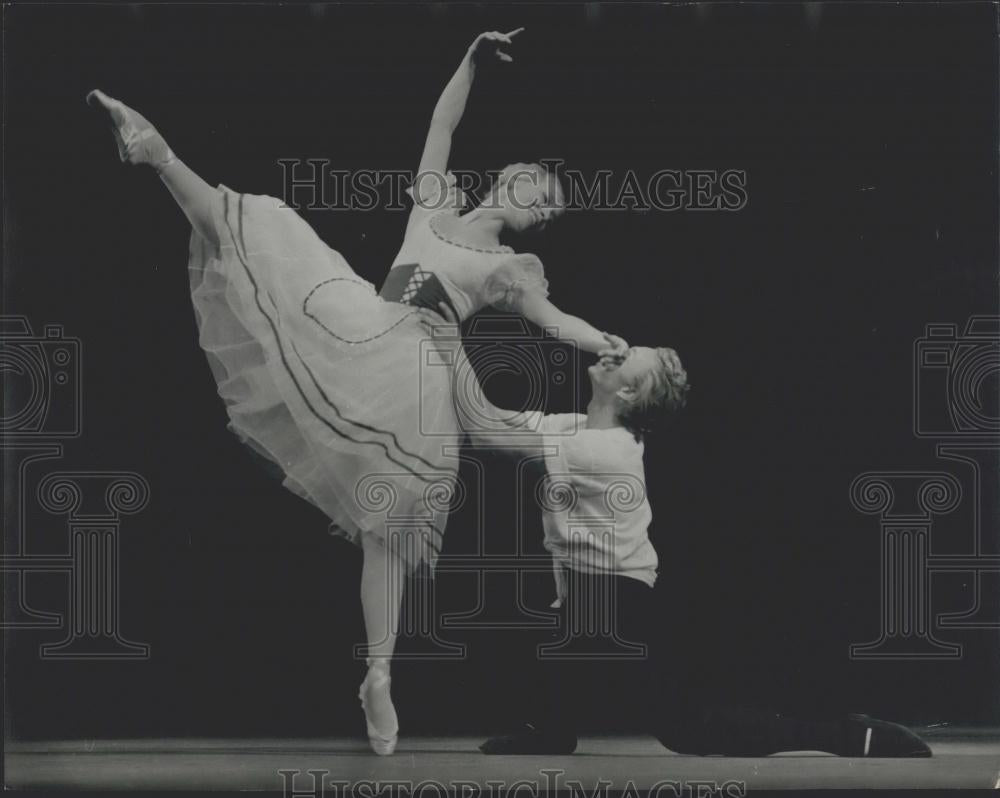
(324, 378)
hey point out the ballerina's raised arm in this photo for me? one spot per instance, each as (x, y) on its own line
(448, 113)
(451, 104)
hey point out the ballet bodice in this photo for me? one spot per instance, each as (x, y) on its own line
(432, 267)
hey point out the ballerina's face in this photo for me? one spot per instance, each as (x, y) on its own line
(528, 197)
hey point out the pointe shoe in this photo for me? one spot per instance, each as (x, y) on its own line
(138, 141)
(374, 695)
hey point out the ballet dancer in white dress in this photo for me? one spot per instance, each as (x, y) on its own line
(321, 372)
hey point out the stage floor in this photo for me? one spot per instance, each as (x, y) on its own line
(963, 758)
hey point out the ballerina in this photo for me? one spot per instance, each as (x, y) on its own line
(322, 374)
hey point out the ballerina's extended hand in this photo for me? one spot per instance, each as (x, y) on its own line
(616, 353)
(448, 333)
(487, 42)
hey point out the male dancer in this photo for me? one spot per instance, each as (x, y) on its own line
(595, 462)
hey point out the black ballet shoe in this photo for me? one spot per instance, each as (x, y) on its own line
(870, 737)
(137, 139)
(531, 741)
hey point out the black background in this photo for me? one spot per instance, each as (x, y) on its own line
(868, 134)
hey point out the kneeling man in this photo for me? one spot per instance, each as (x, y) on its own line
(598, 458)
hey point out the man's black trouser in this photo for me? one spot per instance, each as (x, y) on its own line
(613, 619)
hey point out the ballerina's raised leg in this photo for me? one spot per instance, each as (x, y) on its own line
(139, 142)
(383, 572)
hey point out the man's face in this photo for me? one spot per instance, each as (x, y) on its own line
(607, 376)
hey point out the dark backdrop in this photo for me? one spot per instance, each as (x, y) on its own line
(868, 134)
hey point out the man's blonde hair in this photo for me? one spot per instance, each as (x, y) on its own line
(662, 391)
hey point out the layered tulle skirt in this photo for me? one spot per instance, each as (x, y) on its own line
(338, 388)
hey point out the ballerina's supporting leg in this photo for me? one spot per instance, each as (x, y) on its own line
(382, 581)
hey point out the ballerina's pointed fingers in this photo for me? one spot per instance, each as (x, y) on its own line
(430, 320)
(514, 32)
(427, 320)
(504, 57)
(447, 313)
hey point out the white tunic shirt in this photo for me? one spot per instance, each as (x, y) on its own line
(594, 507)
